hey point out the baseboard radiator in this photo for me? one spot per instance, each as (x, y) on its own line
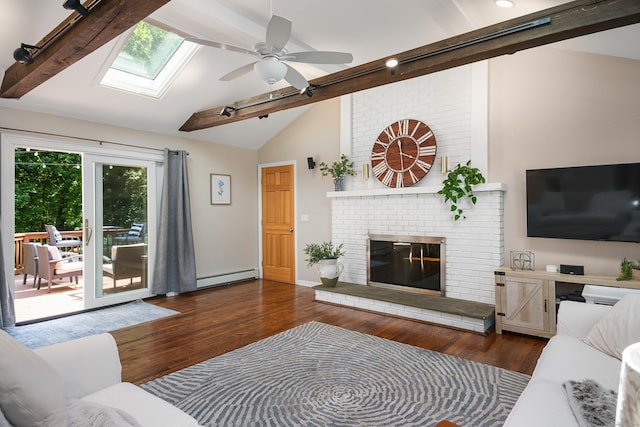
(227, 278)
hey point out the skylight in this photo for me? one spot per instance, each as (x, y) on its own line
(148, 61)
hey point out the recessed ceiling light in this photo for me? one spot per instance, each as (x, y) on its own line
(392, 62)
(505, 3)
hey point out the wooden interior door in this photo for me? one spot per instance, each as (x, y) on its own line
(278, 236)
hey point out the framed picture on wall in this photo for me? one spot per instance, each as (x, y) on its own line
(220, 189)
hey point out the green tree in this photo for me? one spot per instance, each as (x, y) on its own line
(48, 190)
(125, 195)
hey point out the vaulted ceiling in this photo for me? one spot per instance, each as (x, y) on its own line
(369, 29)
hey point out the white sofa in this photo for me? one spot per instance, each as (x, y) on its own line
(566, 357)
(78, 381)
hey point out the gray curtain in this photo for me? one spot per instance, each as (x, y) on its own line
(7, 310)
(175, 265)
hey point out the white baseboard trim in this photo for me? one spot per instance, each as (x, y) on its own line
(307, 283)
(226, 278)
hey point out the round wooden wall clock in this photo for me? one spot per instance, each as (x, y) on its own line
(403, 153)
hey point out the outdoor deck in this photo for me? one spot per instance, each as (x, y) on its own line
(65, 297)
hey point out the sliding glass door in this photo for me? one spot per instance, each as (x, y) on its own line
(113, 213)
(118, 228)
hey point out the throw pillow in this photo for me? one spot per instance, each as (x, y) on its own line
(591, 404)
(617, 329)
(31, 392)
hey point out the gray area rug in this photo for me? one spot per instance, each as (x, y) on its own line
(90, 323)
(322, 375)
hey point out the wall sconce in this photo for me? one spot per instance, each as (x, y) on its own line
(226, 111)
(444, 165)
(311, 163)
(22, 55)
(77, 6)
(365, 171)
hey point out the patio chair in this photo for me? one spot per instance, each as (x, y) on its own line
(135, 234)
(55, 239)
(52, 266)
(30, 260)
(127, 262)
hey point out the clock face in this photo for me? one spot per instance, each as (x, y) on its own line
(403, 153)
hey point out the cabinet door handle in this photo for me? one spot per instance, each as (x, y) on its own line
(545, 306)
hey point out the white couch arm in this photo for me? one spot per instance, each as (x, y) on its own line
(85, 364)
(577, 318)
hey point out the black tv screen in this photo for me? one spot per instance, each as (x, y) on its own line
(587, 202)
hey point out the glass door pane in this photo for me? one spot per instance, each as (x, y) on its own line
(118, 255)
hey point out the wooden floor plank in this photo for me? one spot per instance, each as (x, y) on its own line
(217, 320)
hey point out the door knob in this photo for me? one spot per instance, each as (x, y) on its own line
(291, 230)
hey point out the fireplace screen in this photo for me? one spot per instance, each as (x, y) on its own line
(413, 263)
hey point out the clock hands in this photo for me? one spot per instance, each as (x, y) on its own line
(401, 154)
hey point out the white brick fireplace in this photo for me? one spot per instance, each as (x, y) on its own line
(474, 246)
(454, 104)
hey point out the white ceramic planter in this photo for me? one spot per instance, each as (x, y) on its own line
(329, 271)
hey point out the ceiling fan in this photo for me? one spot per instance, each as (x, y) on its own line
(272, 52)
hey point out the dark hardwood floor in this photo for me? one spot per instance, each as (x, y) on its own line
(217, 320)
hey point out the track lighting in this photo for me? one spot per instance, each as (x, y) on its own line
(75, 5)
(22, 55)
(226, 111)
(308, 90)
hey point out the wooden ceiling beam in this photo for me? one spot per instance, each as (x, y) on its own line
(75, 38)
(574, 19)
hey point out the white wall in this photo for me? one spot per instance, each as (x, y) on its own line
(315, 134)
(554, 108)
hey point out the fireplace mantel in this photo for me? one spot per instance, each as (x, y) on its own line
(410, 190)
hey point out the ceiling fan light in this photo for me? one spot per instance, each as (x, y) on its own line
(270, 70)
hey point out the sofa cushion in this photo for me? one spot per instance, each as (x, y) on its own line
(617, 329)
(567, 358)
(146, 408)
(84, 413)
(542, 403)
(31, 392)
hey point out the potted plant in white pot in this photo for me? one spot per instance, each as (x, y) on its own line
(338, 170)
(325, 257)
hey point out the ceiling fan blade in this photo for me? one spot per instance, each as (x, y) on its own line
(222, 46)
(278, 33)
(238, 72)
(319, 57)
(295, 79)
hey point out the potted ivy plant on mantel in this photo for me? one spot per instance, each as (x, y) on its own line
(459, 184)
(325, 257)
(338, 170)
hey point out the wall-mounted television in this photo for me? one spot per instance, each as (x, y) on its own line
(587, 202)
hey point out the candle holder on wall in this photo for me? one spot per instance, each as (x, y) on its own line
(444, 165)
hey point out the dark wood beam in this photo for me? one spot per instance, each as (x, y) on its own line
(75, 38)
(563, 22)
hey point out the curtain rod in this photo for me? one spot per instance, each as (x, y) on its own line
(82, 139)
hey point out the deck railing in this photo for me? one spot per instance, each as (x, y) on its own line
(34, 237)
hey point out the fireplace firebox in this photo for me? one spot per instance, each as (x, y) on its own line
(410, 263)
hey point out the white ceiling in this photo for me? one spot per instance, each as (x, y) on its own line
(369, 29)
